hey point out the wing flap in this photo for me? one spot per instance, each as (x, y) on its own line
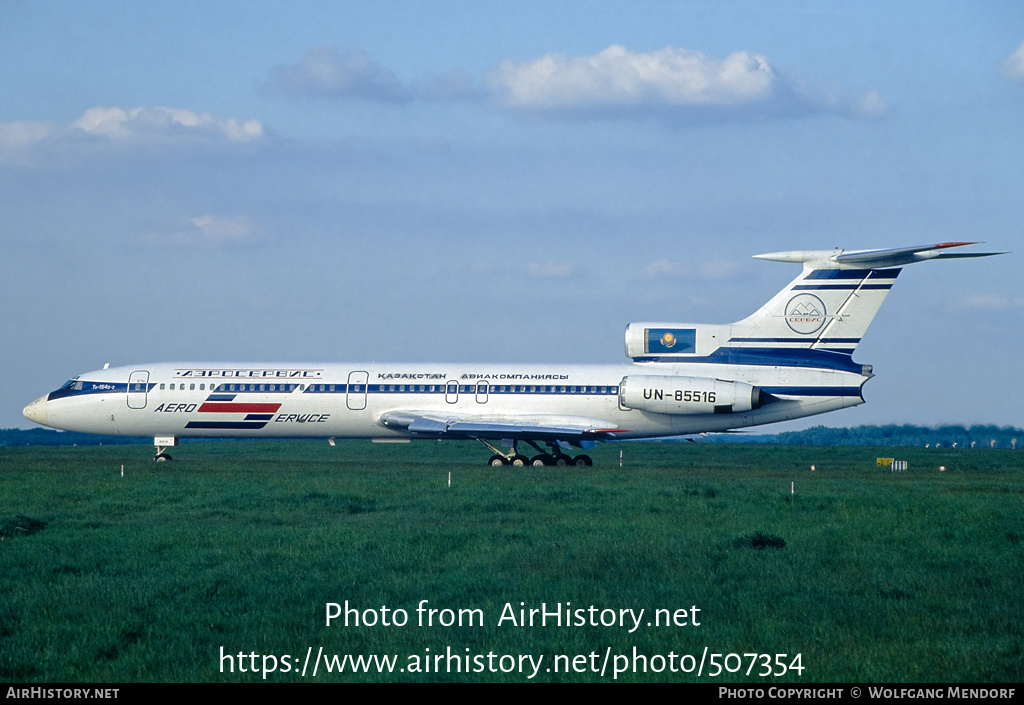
(526, 427)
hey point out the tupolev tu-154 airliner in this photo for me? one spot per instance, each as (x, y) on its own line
(791, 358)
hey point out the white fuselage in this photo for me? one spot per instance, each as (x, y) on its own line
(286, 400)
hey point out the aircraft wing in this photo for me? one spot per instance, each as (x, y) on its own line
(537, 427)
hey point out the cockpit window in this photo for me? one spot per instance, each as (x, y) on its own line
(72, 384)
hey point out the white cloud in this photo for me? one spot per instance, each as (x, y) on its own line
(212, 231)
(327, 73)
(662, 269)
(159, 123)
(619, 77)
(550, 270)
(21, 135)
(670, 269)
(19, 140)
(872, 105)
(718, 269)
(33, 144)
(219, 229)
(1013, 66)
(668, 83)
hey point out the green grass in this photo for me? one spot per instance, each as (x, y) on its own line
(886, 577)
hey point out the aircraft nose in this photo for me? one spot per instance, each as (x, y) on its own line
(36, 411)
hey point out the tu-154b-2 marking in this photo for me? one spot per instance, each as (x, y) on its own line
(792, 358)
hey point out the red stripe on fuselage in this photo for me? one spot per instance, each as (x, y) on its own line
(232, 408)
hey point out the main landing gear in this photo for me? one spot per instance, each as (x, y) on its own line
(556, 458)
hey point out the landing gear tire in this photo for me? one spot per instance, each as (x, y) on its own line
(162, 457)
(582, 461)
(497, 461)
(542, 460)
(520, 461)
(562, 460)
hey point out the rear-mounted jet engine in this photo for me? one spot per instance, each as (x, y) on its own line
(663, 394)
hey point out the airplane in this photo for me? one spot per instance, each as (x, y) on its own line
(791, 358)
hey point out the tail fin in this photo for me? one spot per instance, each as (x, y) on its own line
(827, 308)
(831, 304)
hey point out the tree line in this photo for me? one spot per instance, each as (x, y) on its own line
(906, 435)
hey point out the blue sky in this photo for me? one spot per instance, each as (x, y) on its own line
(483, 181)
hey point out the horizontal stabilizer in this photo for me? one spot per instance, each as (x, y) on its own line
(874, 259)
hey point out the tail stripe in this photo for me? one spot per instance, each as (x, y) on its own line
(848, 287)
(853, 274)
(771, 357)
(827, 341)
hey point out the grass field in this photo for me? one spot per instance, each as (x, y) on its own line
(235, 548)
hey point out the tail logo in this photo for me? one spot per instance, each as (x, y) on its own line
(805, 314)
(668, 340)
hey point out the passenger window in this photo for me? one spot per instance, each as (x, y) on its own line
(161, 385)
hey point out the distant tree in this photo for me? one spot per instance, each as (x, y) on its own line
(905, 435)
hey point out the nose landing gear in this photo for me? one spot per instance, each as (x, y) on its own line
(162, 443)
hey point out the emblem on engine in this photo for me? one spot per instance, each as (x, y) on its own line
(668, 340)
(805, 314)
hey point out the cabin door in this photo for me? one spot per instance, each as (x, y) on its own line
(357, 383)
(138, 385)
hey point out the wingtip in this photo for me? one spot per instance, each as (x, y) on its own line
(943, 245)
